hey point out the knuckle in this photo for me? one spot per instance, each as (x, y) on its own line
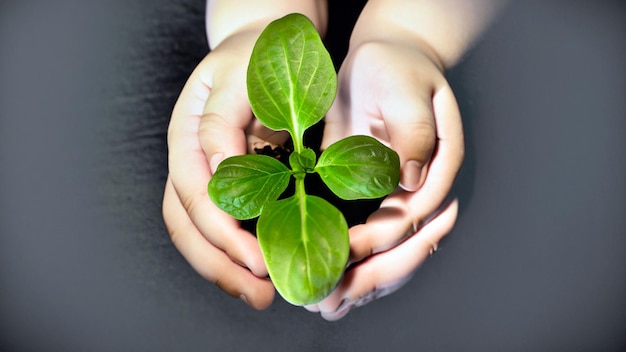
(226, 284)
(416, 140)
(211, 123)
(425, 133)
(191, 202)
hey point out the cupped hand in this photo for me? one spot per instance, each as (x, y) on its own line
(212, 120)
(398, 94)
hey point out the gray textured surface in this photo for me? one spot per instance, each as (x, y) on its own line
(536, 261)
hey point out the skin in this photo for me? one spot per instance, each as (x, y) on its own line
(391, 86)
(212, 120)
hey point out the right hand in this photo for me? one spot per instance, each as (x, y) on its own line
(398, 94)
(211, 121)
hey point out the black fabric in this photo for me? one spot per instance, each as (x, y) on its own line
(536, 261)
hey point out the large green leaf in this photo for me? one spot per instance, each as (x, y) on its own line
(359, 167)
(242, 185)
(291, 78)
(305, 244)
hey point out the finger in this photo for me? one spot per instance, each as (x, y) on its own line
(380, 291)
(258, 137)
(225, 117)
(384, 228)
(386, 272)
(410, 125)
(227, 126)
(336, 122)
(312, 308)
(402, 212)
(449, 130)
(209, 261)
(190, 174)
(334, 128)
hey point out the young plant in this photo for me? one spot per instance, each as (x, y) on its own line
(304, 239)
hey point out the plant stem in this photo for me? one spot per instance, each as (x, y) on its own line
(300, 191)
(298, 141)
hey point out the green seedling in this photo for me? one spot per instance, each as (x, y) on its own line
(304, 239)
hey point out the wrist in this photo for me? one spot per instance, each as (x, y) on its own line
(373, 27)
(225, 18)
(414, 44)
(444, 29)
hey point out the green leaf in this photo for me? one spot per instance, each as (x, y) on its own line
(242, 185)
(304, 161)
(291, 79)
(305, 244)
(359, 167)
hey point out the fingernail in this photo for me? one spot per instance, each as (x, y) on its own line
(411, 176)
(216, 159)
(243, 298)
(312, 308)
(341, 311)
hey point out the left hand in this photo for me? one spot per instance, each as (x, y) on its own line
(212, 120)
(399, 95)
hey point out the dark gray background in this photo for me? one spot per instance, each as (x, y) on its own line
(535, 263)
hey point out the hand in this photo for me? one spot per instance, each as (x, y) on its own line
(212, 120)
(399, 95)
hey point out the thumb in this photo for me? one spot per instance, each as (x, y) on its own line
(412, 134)
(337, 123)
(222, 128)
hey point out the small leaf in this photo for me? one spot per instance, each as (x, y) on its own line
(305, 244)
(242, 185)
(359, 167)
(304, 161)
(291, 79)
